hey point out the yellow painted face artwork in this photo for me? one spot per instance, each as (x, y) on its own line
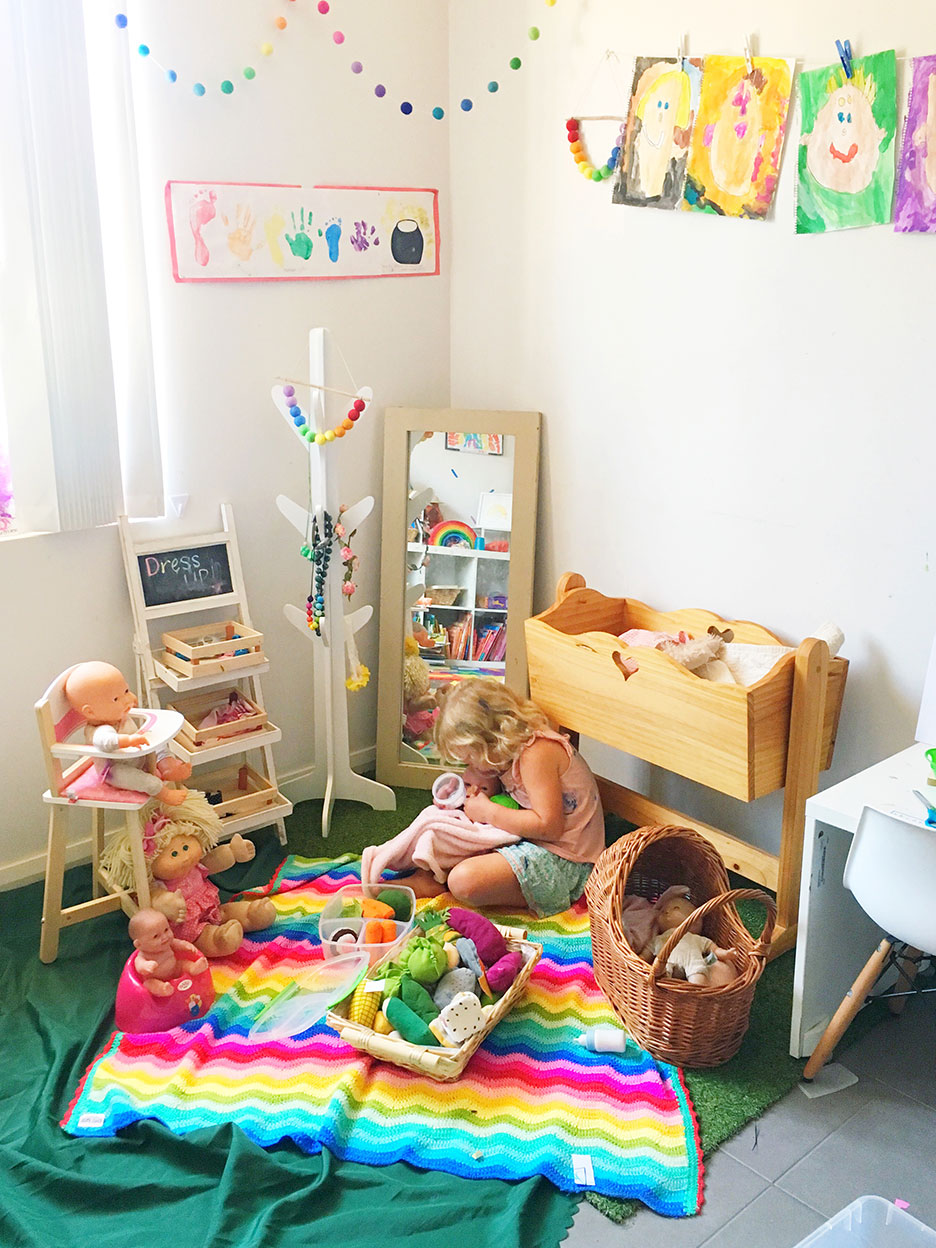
(663, 108)
(842, 151)
(735, 140)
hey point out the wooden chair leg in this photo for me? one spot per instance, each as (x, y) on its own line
(908, 972)
(97, 848)
(852, 1002)
(54, 878)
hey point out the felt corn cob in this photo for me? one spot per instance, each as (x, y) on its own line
(364, 1004)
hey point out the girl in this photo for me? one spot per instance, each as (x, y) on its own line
(487, 726)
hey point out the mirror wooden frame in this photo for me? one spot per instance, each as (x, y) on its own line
(399, 422)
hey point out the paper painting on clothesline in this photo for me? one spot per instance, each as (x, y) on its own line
(915, 210)
(252, 232)
(846, 155)
(734, 151)
(664, 102)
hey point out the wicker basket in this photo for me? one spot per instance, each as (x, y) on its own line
(673, 1020)
(437, 1063)
(443, 595)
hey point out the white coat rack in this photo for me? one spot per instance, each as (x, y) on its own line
(333, 777)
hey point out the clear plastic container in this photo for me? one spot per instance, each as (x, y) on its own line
(871, 1222)
(331, 921)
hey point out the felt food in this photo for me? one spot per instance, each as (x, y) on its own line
(488, 941)
(364, 1003)
(462, 1017)
(381, 1026)
(424, 959)
(452, 954)
(408, 1023)
(398, 902)
(379, 931)
(350, 908)
(417, 998)
(340, 932)
(462, 979)
(504, 971)
(371, 908)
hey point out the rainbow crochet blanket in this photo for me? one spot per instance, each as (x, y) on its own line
(531, 1100)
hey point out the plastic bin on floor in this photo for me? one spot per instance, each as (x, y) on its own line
(871, 1222)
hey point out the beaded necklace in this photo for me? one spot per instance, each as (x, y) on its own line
(319, 554)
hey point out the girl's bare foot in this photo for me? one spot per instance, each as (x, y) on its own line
(423, 884)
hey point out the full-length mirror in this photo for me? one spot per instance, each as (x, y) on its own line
(459, 523)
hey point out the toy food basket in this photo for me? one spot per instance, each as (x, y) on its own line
(733, 738)
(438, 1063)
(673, 1020)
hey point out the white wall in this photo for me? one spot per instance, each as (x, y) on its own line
(735, 418)
(305, 119)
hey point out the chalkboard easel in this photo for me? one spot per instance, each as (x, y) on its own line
(172, 576)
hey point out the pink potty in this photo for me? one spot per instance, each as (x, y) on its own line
(138, 1010)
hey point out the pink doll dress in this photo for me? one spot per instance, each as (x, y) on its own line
(201, 904)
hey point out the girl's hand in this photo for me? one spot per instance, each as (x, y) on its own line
(480, 808)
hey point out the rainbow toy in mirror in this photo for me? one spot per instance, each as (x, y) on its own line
(452, 533)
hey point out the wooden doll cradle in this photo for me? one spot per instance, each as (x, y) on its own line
(742, 740)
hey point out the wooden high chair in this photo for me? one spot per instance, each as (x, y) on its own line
(79, 784)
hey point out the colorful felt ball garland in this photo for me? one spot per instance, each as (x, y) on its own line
(580, 155)
(299, 419)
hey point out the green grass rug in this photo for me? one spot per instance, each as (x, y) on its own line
(726, 1098)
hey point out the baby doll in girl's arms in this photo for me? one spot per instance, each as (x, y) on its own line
(558, 818)
(101, 696)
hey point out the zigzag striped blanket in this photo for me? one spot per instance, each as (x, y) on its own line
(531, 1100)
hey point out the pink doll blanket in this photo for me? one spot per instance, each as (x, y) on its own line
(436, 840)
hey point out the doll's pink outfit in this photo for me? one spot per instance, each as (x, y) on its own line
(201, 904)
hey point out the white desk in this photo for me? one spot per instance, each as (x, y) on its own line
(835, 937)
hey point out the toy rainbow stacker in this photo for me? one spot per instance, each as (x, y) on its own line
(453, 533)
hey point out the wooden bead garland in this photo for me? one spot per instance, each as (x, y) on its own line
(299, 419)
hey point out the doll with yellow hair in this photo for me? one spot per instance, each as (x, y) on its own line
(487, 726)
(181, 850)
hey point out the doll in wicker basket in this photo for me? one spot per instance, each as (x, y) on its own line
(695, 958)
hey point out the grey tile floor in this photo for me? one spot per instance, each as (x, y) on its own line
(803, 1160)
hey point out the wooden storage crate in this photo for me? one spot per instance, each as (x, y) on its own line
(733, 738)
(243, 790)
(438, 1063)
(209, 649)
(196, 706)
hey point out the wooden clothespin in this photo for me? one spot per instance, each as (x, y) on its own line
(845, 56)
(748, 57)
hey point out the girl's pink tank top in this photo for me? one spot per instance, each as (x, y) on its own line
(583, 837)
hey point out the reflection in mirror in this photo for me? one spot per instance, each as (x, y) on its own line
(457, 568)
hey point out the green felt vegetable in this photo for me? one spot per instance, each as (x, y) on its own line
(431, 918)
(417, 998)
(424, 959)
(505, 800)
(410, 1026)
(398, 902)
(350, 908)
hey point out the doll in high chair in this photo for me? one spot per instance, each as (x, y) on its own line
(99, 693)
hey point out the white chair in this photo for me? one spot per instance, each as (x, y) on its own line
(891, 870)
(80, 785)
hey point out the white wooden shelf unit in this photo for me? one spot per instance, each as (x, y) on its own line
(257, 806)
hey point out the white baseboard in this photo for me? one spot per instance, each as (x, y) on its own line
(302, 785)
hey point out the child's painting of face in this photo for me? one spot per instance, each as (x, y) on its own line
(846, 161)
(915, 209)
(734, 153)
(664, 99)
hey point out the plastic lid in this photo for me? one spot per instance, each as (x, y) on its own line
(310, 996)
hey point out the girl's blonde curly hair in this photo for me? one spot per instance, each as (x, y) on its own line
(193, 817)
(482, 716)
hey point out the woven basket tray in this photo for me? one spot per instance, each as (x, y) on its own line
(437, 1063)
(673, 1020)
